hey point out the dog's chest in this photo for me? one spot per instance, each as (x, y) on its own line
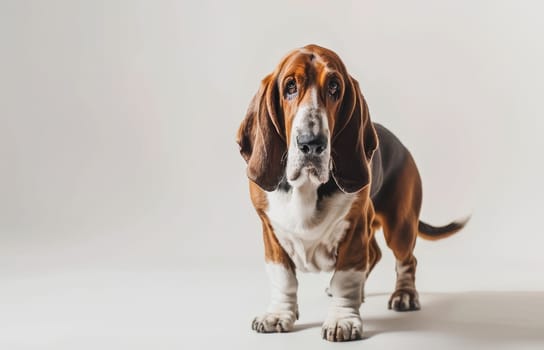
(309, 231)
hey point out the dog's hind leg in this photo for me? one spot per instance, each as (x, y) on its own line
(397, 209)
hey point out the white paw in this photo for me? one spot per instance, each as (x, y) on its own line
(342, 329)
(273, 322)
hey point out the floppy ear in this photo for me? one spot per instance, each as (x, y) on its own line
(354, 141)
(260, 137)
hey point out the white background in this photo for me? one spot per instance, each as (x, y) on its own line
(124, 211)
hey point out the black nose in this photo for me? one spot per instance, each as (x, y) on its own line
(311, 144)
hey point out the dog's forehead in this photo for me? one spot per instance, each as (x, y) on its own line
(322, 55)
(309, 62)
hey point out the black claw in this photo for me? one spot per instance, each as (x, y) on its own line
(339, 334)
(356, 335)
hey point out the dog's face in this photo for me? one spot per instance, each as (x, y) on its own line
(308, 121)
(311, 86)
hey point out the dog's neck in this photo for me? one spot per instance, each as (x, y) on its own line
(324, 190)
(305, 202)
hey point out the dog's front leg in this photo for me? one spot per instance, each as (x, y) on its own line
(343, 321)
(282, 311)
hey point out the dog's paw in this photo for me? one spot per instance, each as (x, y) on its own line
(274, 322)
(342, 329)
(404, 300)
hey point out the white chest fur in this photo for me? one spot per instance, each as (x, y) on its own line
(309, 233)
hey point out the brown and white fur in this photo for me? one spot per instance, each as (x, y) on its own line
(323, 179)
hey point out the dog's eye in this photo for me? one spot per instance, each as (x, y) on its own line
(291, 88)
(333, 88)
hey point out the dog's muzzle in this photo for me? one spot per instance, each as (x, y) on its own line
(309, 152)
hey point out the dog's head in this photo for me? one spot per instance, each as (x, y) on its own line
(307, 122)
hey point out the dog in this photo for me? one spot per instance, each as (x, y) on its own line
(323, 178)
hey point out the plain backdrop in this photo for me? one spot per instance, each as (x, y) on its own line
(119, 169)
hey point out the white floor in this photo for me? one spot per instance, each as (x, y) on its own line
(212, 307)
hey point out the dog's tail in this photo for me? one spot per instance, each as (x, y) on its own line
(434, 233)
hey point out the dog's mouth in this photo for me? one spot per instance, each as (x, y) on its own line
(311, 171)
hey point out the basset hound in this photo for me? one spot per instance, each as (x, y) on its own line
(323, 178)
